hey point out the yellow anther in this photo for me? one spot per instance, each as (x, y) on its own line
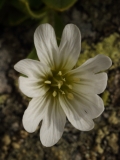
(60, 73)
(70, 96)
(54, 94)
(47, 82)
(60, 84)
(62, 92)
(63, 79)
(70, 86)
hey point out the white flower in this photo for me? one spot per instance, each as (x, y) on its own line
(57, 89)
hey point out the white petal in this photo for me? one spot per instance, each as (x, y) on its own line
(91, 83)
(96, 64)
(34, 113)
(92, 104)
(100, 82)
(46, 45)
(32, 68)
(70, 47)
(75, 113)
(32, 87)
(53, 124)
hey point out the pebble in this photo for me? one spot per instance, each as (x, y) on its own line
(6, 140)
(23, 134)
(113, 142)
(100, 136)
(15, 145)
(113, 119)
(99, 149)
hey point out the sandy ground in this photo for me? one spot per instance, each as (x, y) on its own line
(99, 23)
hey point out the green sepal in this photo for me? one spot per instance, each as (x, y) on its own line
(2, 2)
(33, 54)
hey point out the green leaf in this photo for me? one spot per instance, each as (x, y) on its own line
(59, 5)
(24, 6)
(35, 3)
(33, 54)
(2, 3)
(16, 19)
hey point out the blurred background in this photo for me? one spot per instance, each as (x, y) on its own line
(99, 22)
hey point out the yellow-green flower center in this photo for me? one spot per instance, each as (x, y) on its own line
(58, 84)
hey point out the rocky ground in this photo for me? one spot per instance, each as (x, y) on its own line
(100, 28)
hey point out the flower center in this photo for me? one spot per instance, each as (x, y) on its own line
(58, 84)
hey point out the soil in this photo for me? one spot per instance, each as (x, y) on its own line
(97, 21)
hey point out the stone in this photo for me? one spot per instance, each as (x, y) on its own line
(6, 140)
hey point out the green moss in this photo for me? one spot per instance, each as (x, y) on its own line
(105, 97)
(109, 46)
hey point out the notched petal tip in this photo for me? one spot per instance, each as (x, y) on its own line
(41, 28)
(23, 65)
(26, 126)
(72, 27)
(53, 123)
(70, 47)
(48, 144)
(100, 108)
(34, 114)
(17, 65)
(95, 65)
(106, 59)
(89, 128)
(46, 44)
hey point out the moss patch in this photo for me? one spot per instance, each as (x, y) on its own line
(109, 46)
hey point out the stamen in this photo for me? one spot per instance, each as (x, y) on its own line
(60, 84)
(47, 82)
(70, 86)
(70, 96)
(63, 79)
(62, 91)
(60, 73)
(54, 94)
